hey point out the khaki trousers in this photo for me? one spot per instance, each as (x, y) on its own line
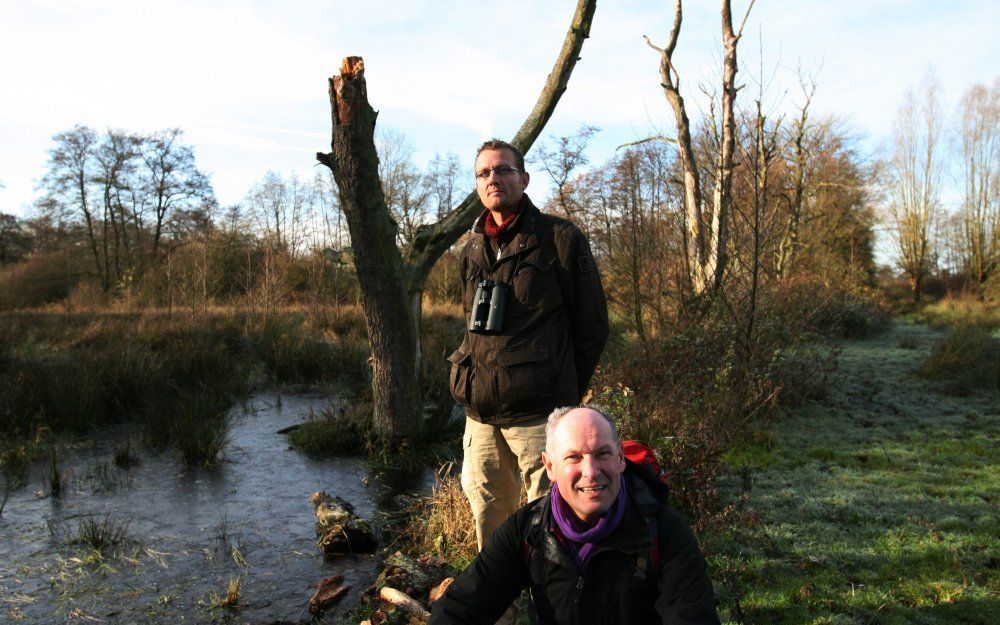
(498, 462)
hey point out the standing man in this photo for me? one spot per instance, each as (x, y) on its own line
(536, 324)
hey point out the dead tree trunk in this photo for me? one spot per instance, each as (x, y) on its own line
(373, 237)
(707, 227)
(391, 285)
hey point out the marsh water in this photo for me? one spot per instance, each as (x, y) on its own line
(188, 534)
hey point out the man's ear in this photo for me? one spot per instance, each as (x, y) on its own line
(547, 463)
(525, 179)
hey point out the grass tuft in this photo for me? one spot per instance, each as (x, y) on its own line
(102, 533)
(14, 461)
(346, 429)
(442, 523)
(232, 596)
(126, 455)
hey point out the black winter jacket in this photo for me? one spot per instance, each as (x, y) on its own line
(614, 588)
(555, 326)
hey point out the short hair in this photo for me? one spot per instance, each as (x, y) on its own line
(559, 413)
(499, 144)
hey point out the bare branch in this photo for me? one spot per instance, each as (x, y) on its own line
(739, 33)
(652, 45)
(676, 30)
(647, 140)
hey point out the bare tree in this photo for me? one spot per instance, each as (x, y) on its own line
(116, 157)
(66, 184)
(980, 140)
(798, 159)
(391, 285)
(914, 176)
(559, 162)
(173, 180)
(402, 183)
(443, 174)
(283, 209)
(706, 225)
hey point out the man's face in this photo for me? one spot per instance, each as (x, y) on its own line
(500, 193)
(585, 462)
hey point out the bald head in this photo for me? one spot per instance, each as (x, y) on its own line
(583, 459)
(560, 413)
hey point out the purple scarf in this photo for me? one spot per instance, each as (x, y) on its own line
(581, 540)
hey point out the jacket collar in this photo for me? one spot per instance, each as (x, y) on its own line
(525, 237)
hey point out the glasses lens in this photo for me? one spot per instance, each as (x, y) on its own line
(500, 170)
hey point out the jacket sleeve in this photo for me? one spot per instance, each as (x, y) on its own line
(488, 586)
(586, 307)
(686, 593)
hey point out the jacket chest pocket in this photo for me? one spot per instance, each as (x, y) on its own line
(533, 282)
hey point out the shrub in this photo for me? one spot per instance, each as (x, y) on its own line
(967, 311)
(967, 358)
(289, 351)
(694, 394)
(38, 280)
(93, 370)
(689, 395)
(816, 307)
(441, 335)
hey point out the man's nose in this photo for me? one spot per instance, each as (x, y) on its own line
(588, 467)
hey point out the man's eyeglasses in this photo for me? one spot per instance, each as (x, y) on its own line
(499, 170)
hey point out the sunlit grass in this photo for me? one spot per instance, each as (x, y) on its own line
(960, 311)
(875, 506)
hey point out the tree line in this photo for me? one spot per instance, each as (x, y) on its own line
(125, 215)
(806, 200)
(931, 237)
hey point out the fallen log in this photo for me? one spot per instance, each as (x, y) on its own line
(329, 592)
(403, 601)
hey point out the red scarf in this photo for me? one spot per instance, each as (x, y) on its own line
(501, 232)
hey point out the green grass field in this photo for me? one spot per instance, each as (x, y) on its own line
(877, 505)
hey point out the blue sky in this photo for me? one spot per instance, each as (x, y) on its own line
(246, 80)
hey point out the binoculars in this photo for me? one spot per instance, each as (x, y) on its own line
(488, 307)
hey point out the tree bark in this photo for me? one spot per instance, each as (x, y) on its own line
(354, 163)
(392, 287)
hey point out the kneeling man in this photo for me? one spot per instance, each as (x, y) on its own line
(602, 547)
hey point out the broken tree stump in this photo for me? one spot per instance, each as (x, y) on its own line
(338, 530)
